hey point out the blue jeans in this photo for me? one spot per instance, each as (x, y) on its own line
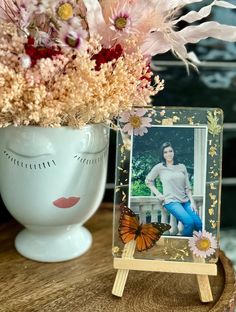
(184, 213)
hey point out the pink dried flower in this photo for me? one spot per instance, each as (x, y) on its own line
(123, 18)
(155, 24)
(86, 61)
(202, 244)
(135, 122)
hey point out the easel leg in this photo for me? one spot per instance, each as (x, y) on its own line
(204, 288)
(120, 281)
(121, 275)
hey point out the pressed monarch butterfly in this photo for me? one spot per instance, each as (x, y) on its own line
(146, 235)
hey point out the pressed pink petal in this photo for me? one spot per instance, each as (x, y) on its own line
(124, 117)
(210, 252)
(146, 121)
(214, 244)
(199, 253)
(127, 127)
(136, 131)
(132, 112)
(191, 243)
(130, 132)
(144, 130)
(140, 131)
(140, 112)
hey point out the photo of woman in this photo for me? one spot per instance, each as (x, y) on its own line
(177, 196)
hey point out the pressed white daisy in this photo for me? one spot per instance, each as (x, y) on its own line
(203, 244)
(134, 121)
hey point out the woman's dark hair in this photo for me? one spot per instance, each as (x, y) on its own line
(165, 145)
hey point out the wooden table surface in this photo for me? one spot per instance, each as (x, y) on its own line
(84, 284)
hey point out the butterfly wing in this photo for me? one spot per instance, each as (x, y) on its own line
(128, 225)
(161, 227)
(150, 234)
(146, 235)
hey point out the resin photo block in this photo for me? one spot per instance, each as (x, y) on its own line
(168, 183)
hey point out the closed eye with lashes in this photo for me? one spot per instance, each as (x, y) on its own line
(27, 165)
(91, 159)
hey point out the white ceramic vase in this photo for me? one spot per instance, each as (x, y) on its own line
(52, 180)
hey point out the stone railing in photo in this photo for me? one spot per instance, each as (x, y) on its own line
(150, 209)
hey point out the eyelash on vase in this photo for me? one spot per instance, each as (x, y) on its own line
(87, 161)
(31, 166)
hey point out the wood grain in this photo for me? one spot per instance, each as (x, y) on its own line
(84, 284)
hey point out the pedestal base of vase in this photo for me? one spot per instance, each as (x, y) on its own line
(53, 244)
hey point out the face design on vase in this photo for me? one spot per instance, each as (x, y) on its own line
(47, 169)
(66, 202)
(168, 154)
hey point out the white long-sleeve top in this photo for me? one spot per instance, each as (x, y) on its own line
(175, 181)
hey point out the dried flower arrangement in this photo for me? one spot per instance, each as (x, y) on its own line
(74, 62)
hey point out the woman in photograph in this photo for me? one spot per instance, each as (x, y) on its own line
(177, 195)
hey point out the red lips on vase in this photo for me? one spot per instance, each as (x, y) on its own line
(66, 202)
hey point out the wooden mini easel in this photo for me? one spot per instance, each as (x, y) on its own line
(127, 262)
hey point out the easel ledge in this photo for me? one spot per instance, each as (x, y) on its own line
(201, 269)
(165, 266)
